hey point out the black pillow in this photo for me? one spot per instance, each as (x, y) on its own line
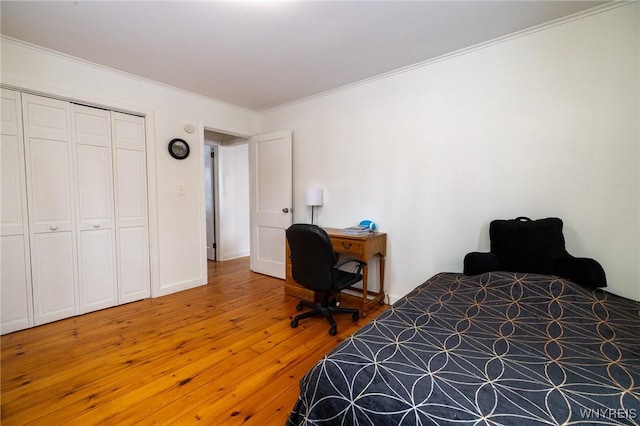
(525, 245)
(536, 246)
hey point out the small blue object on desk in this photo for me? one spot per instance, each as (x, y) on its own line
(368, 224)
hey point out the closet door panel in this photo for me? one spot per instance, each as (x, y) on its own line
(95, 214)
(16, 284)
(13, 197)
(95, 194)
(132, 200)
(48, 118)
(133, 270)
(129, 131)
(13, 201)
(50, 192)
(50, 189)
(97, 276)
(131, 207)
(53, 276)
(92, 126)
(94, 164)
(10, 112)
(16, 303)
(49, 154)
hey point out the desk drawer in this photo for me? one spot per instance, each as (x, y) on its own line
(345, 245)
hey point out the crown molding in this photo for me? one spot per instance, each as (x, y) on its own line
(464, 51)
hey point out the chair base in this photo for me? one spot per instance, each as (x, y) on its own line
(324, 309)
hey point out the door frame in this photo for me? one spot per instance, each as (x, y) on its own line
(215, 212)
(201, 128)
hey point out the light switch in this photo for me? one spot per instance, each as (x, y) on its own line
(181, 189)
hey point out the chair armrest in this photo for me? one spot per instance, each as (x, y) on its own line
(479, 263)
(581, 270)
(360, 263)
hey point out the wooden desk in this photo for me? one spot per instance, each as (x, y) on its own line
(362, 248)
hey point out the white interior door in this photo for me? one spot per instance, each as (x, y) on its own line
(271, 185)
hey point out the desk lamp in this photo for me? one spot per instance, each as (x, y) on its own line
(313, 198)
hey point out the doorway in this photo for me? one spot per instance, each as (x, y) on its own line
(226, 185)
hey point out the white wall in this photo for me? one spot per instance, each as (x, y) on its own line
(541, 125)
(177, 228)
(234, 200)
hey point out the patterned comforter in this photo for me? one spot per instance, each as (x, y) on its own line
(500, 348)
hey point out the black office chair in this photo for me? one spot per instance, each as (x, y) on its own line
(314, 265)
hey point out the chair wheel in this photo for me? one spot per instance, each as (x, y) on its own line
(294, 323)
(299, 306)
(356, 316)
(333, 331)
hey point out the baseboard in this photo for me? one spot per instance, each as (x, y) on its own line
(231, 256)
(176, 287)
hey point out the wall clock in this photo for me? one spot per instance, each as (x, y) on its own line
(179, 149)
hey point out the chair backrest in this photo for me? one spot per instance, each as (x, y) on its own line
(312, 257)
(527, 245)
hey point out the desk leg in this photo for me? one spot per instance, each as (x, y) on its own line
(365, 298)
(382, 296)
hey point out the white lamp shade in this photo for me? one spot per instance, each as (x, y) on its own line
(313, 196)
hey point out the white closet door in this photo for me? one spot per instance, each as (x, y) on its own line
(95, 215)
(131, 207)
(15, 270)
(49, 170)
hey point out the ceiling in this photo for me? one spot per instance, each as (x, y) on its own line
(260, 54)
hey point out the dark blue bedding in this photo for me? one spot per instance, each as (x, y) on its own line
(500, 348)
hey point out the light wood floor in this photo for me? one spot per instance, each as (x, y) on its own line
(221, 354)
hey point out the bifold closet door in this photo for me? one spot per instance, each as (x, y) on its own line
(15, 269)
(95, 223)
(131, 207)
(74, 227)
(50, 193)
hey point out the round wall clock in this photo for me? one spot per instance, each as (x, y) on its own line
(179, 149)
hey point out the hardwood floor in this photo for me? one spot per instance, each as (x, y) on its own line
(221, 354)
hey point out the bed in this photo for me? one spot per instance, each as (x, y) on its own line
(494, 348)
